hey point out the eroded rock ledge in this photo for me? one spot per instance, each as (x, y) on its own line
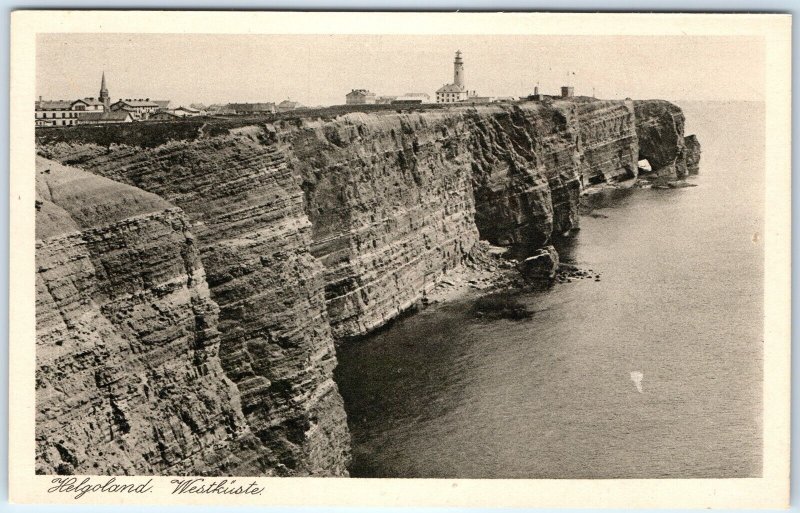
(300, 232)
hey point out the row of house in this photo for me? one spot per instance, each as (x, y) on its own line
(84, 110)
(101, 110)
(366, 97)
(95, 110)
(89, 110)
(241, 109)
(92, 110)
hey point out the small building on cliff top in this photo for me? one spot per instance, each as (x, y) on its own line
(186, 112)
(535, 96)
(99, 118)
(140, 108)
(163, 115)
(360, 97)
(289, 105)
(249, 108)
(412, 98)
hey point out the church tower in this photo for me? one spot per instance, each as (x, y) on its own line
(104, 93)
(458, 70)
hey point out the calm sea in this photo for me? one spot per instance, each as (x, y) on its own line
(444, 394)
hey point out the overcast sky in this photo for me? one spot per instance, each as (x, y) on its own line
(320, 70)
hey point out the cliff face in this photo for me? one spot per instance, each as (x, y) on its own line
(246, 210)
(128, 378)
(314, 229)
(390, 203)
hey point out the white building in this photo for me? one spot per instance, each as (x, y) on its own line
(89, 105)
(186, 112)
(55, 113)
(457, 91)
(140, 108)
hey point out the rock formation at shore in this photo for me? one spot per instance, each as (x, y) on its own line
(692, 154)
(659, 125)
(311, 230)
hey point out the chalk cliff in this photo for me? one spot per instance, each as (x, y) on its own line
(315, 229)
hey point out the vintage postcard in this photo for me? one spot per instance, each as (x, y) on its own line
(423, 259)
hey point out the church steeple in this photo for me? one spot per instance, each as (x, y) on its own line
(104, 92)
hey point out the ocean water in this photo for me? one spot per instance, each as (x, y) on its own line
(655, 371)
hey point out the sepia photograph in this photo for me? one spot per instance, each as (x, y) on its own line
(452, 256)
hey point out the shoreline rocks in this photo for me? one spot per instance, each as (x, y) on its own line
(540, 268)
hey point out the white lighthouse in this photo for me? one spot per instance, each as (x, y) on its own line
(457, 91)
(458, 70)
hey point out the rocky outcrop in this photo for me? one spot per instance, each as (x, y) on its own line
(660, 125)
(692, 154)
(315, 229)
(541, 267)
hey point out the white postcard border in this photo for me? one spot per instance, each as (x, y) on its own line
(770, 491)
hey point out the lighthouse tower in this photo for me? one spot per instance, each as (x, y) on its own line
(455, 92)
(104, 97)
(458, 70)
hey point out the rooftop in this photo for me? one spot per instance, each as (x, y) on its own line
(251, 107)
(139, 102)
(451, 88)
(91, 101)
(54, 105)
(118, 115)
(360, 92)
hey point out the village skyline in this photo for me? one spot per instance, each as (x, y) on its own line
(320, 70)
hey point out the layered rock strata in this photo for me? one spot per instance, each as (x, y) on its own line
(315, 229)
(246, 209)
(128, 377)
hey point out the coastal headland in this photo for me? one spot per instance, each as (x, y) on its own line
(194, 277)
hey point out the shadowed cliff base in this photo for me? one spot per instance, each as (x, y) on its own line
(320, 228)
